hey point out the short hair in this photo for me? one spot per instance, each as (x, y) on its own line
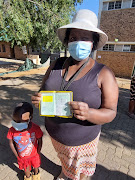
(96, 37)
(22, 108)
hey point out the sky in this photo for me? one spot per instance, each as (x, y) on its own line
(89, 4)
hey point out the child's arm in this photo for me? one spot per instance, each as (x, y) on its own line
(39, 145)
(12, 146)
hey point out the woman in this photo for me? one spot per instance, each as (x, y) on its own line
(95, 95)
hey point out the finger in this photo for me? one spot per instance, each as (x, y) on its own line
(35, 98)
(37, 105)
(75, 105)
(78, 112)
(82, 118)
(38, 94)
(35, 102)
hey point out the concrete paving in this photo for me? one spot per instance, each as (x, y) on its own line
(116, 154)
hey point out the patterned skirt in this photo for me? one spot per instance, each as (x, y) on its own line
(132, 89)
(77, 159)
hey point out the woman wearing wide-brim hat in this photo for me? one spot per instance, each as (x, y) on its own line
(95, 95)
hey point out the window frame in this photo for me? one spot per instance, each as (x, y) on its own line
(3, 48)
(120, 4)
(133, 48)
(105, 47)
(133, 2)
(109, 47)
(126, 45)
(114, 5)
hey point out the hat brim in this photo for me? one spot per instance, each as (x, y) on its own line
(103, 38)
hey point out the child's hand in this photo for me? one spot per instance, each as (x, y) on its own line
(36, 98)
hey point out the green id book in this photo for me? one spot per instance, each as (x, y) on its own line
(55, 103)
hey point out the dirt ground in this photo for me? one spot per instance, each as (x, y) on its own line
(22, 73)
(8, 65)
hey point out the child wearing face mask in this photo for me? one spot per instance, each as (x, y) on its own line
(25, 140)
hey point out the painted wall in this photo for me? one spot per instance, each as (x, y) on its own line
(121, 63)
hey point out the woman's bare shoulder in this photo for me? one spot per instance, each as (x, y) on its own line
(106, 75)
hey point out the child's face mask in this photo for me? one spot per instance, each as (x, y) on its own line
(20, 126)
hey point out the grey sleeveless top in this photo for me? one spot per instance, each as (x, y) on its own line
(71, 131)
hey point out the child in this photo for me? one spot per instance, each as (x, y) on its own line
(25, 140)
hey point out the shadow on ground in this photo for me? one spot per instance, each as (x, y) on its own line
(121, 129)
(102, 174)
(50, 167)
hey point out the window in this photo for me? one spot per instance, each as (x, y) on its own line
(111, 47)
(111, 5)
(108, 47)
(105, 6)
(126, 48)
(118, 47)
(132, 48)
(114, 5)
(133, 3)
(105, 47)
(118, 5)
(3, 48)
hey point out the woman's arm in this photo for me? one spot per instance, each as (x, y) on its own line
(108, 110)
(47, 74)
(12, 146)
(39, 145)
(37, 96)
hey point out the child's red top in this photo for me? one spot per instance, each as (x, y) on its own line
(26, 141)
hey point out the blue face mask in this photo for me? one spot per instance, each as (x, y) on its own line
(20, 126)
(79, 50)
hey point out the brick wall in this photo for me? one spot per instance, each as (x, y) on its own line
(121, 63)
(19, 53)
(7, 53)
(119, 24)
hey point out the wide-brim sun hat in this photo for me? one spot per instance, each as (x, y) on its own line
(86, 20)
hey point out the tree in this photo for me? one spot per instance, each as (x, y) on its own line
(34, 22)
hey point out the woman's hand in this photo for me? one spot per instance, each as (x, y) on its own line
(80, 110)
(36, 98)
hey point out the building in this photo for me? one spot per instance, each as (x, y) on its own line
(6, 51)
(21, 53)
(117, 20)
